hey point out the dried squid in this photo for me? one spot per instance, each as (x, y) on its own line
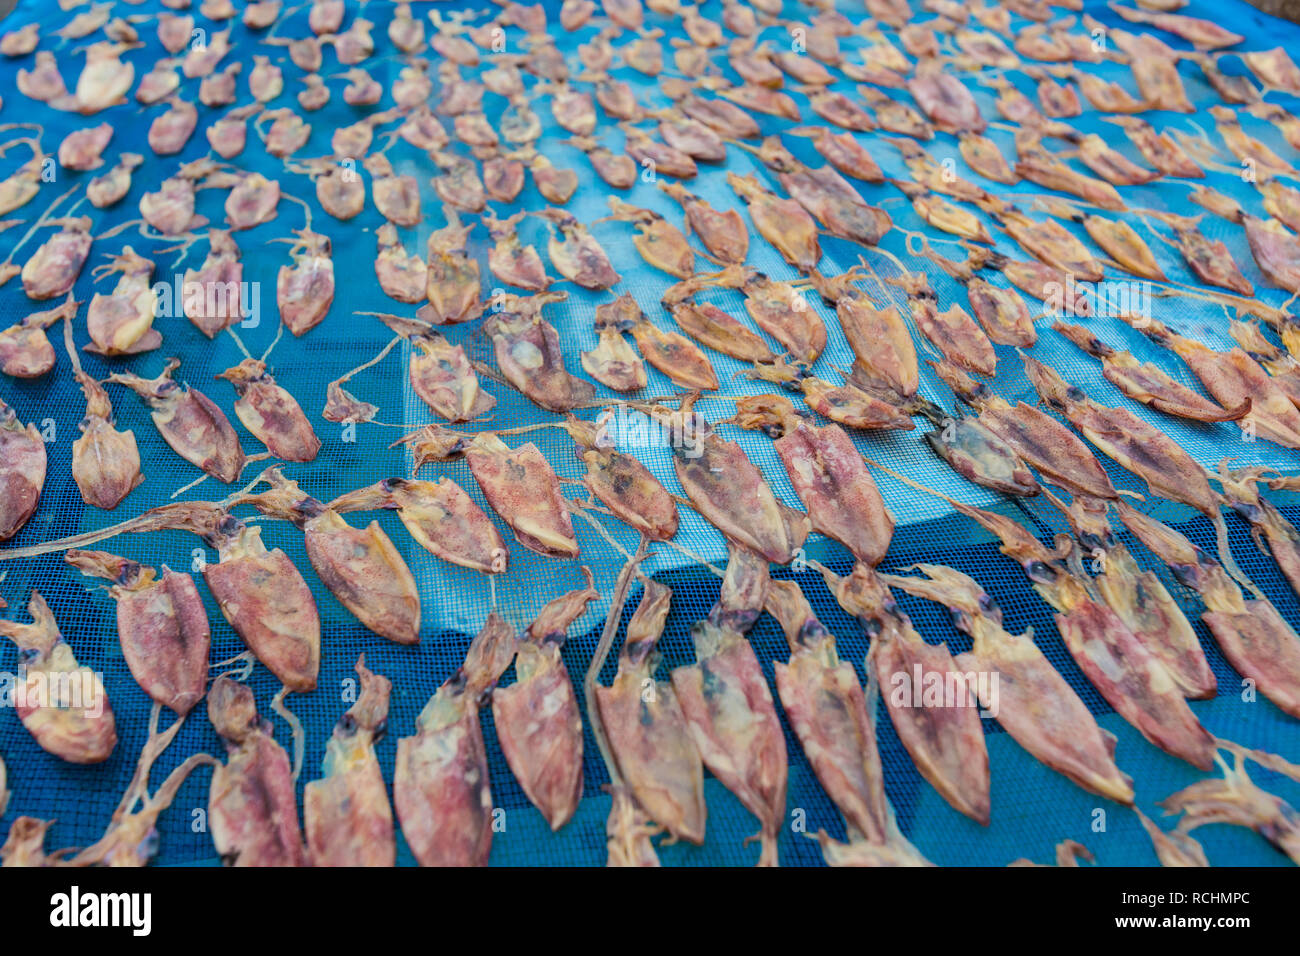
(259, 591)
(782, 222)
(519, 484)
(1133, 681)
(121, 323)
(576, 253)
(62, 703)
(1128, 440)
(440, 516)
(1236, 799)
(1140, 599)
(537, 718)
(52, 270)
(946, 741)
(454, 285)
(530, 356)
(403, 277)
(1038, 438)
(660, 243)
(830, 715)
(346, 814)
(621, 482)
(1145, 382)
(189, 421)
(613, 362)
(105, 461)
(132, 838)
(25, 349)
(271, 413)
(1234, 378)
(1031, 700)
(1254, 637)
(361, 567)
(647, 732)
(827, 473)
(512, 261)
(440, 785)
(252, 808)
(731, 493)
(161, 625)
(726, 703)
(723, 233)
(22, 471)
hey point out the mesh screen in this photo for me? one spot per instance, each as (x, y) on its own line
(1033, 808)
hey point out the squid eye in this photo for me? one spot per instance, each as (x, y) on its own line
(347, 725)
(458, 681)
(1247, 510)
(380, 730)
(309, 507)
(1093, 541)
(871, 627)
(986, 603)
(1184, 574)
(811, 632)
(1075, 394)
(1040, 572)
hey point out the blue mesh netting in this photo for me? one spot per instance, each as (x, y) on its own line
(1033, 808)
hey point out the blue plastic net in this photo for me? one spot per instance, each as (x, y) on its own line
(1033, 808)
